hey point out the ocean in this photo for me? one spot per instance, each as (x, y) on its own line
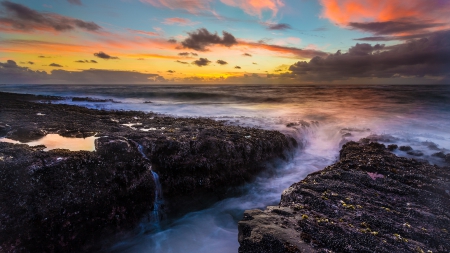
(322, 118)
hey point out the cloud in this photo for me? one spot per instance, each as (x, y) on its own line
(86, 61)
(298, 52)
(179, 21)
(221, 62)
(144, 32)
(425, 57)
(343, 12)
(30, 62)
(9, 64)
(55, 65)
(237, 67)
(247, 54)
(19, 18)
(252, 7)
(192, 6)
(393, 27)
(186, 54)
(105, 56)
(201, 62)
(182, 62)
(256, 7)
(171, 71)
(202, 38)
(75, 2)
(11, 73)
(280, 26)
(172, 41)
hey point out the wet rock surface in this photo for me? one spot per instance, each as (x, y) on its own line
(369, 201)
(63, 201)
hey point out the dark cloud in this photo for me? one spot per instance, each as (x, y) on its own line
(202, 62)
(141, 59)
(202, 38)
(247, 54)
(42, 56)
(254, 63)
(424, 57)
(187, 54)
(9, 64)
(171, 71)
(30, 62)
(280, 26)
(11, 73)
(399, 37)
(55, 65)
(172, 41)
(105, 56)
(393, 27)
(182, 62)
(20, 17)
(86, 61)
(237, 67)
(222, 62)
(75, 2)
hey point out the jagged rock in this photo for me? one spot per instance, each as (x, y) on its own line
(405, 148)
(65, 201)
(369, 201)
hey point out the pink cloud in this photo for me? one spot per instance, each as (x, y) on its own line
(256, 7)
(144, 32)
(179, 21)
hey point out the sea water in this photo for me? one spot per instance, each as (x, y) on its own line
(322, 118)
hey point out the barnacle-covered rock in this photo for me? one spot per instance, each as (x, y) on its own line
(368, 201)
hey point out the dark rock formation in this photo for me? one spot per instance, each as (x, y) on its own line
(64, 201)
(369, 201)
(61, 201)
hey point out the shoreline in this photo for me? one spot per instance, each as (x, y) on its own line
(370, 200)
(109, 190)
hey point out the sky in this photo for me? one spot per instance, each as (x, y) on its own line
(225, 41)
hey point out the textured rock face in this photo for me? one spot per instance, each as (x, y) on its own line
(369, 201)
(62, 201)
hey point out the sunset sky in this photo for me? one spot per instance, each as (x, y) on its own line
(225, 41)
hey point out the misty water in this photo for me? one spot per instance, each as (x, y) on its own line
(418, 116)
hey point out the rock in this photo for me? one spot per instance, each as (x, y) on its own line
(26, 134)
(368, 201)
(4, 129)
(392, 147)
(439, 154)
(106, 192)
(62, 201)
(415, 153)
(405, 148)
(447, 158)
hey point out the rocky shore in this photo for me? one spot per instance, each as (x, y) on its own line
(369, 201)
(66, 201)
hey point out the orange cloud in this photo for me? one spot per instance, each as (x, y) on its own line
(256, 7)
(344, 11)
(302, 53)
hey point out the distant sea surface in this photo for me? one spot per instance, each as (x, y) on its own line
(320, 117)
